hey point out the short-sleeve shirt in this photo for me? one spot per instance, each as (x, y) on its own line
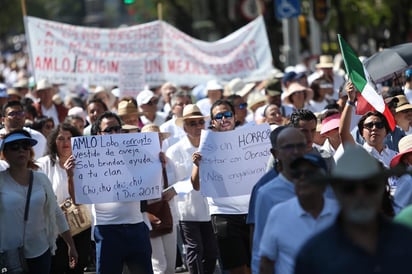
(332, 251)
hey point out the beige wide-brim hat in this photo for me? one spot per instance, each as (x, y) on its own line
(43, 84)
(403, 103)
(295, 87)
(100, 89)
(325, 61)
(191, 111)
(237, 86)
(405, 147)
(126, 107)
(155, 128)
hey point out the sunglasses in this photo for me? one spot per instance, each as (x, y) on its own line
(242, 106)
(292, 147)
(297, 174)
(16, 113)
(370, 125)
(195, 124)
(153, 102)
(351, 188)
(112, 129)
(15, 146)
(226, 114)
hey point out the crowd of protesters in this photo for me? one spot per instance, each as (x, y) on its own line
(334, 183)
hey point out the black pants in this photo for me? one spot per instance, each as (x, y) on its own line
(60, 261)
(201, 246)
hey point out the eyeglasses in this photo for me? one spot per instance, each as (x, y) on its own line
(153, 102)
(15, 146)
(16, 113)
(111, 129)
(242, 106)
(370, 125)
(291, 147)
(195, 124)
(351, 188)
(226, 114)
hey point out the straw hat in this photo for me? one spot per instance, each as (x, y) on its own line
(12, 91)
(100, 89)
(325, 61)
(403, 103)
(237, 86)
(255, 98)
(155, 128)
(190, 111)
(405, 147)
(43, 84)
(126, 107)
(295, 87)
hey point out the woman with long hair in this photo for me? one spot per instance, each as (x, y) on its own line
(45, 219)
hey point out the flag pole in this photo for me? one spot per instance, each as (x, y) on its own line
(23, 7)
(159, 11)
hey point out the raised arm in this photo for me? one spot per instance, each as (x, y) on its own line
(69, 167)
(346, 117)
(196, 157)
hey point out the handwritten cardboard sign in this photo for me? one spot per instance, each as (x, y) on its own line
(72, 54)
(233, 161)
(117, 168)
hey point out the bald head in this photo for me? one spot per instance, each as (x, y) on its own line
(290, 135)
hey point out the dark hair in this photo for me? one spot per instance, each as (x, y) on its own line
(274, 135)
(373, 113)
(39, 123)
(221, 102)
(179, 94)
(10, 104)
(301, 115)
(107, 114)
(51, 141)
(30, 109)
(231, 98)
(98, 101)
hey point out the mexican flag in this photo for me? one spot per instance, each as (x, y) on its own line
(361, 80)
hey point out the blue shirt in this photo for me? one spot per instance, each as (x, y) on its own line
(331, 251)
(272, 173)
(274, 192)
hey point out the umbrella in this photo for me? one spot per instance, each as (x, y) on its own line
(389, 62)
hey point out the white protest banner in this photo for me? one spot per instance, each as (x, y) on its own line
(233, 161)
(117, 168)
(72, 54)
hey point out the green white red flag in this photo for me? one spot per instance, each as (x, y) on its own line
(361, 80)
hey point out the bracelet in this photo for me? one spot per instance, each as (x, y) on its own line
(350, 103)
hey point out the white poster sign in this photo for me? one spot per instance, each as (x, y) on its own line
(233, 161)
(117, 168)
(72, 54)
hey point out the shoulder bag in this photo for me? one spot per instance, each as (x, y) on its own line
(13, 261)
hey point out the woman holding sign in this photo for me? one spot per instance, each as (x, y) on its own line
(55, 166)
(228, 213)
(30, 216)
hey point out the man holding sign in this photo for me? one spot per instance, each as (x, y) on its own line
(228, 194)
(120, 234)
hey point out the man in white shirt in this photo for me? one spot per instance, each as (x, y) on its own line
(195, 221)
(120, 234)
(291, 223)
